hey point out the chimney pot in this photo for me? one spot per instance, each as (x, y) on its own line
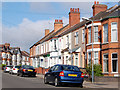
(97, 2)
(78, 9)
(94, 2)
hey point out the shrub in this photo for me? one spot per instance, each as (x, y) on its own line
(97, 70)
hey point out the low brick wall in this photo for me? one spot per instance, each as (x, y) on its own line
(106, 79)
(42, 70)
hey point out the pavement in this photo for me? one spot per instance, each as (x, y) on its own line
(87, 84)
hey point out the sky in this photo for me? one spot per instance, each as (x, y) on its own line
(23, 23)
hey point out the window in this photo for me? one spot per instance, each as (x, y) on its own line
(105, 62)
(89, 58)
(96, 57)
(96, 34)
(67, 41)
(57, 68)
(105, 33)
(114, 62)
(67, 60)
(76, 38)
(83, 35)
(55, 44)
(114, 32)
(89, 35)
(76, 59)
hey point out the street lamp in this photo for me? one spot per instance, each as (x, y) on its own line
(87, 19)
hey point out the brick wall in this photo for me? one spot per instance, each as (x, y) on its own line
(42, 70)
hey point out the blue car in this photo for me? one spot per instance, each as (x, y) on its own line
(59, 74)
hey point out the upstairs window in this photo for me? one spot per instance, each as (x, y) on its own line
(105, 33)
(76, 38)
(89, 35)
(114, 36)
(96, 34)
(96, 57)
(83, 35)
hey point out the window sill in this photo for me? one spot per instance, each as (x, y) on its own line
(115, 72)
(114, 42)
(93, 43)
(105, 43)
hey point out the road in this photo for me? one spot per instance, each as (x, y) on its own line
(14, 81)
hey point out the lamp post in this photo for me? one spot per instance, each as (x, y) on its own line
(87, 19)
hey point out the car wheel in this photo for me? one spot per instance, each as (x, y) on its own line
(17, 74)
(56, 82)
(45, 80)
(21, 75)
(81, 85)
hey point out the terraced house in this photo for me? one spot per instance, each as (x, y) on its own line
(13, 55)
(72, 44)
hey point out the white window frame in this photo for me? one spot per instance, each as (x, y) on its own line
(112, 60)
(89, 35)
(112, 32)
(76, 59)
(104, 60)
(96, 58)
(95, 33)
(104, 33)
(76, 37)
(89, 58)
(83, 35)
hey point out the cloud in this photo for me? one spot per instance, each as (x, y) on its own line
(27, 33)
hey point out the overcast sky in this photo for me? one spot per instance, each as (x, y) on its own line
(23, 23)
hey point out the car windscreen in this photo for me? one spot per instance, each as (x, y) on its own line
(27, 66)
(70, 68)
(17, 67)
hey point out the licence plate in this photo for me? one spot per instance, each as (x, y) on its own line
(30, 70)
(72, 75)
(17, 69)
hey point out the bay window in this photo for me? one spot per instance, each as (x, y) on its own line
(105, 62)
(114, 62)
(76, 38)
(96, 34)
(96, 57)
(105, 33)
(114, 36)
(89, 35)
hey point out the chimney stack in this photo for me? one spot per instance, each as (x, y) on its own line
(58, 24)
(74, 16)
(97, 8)
(47, 31)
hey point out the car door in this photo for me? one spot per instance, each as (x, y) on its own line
(48, 75)
(55, 72)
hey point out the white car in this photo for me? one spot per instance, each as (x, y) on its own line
(7, 68)
(14, 70)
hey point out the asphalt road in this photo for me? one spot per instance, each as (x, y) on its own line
(14, 81)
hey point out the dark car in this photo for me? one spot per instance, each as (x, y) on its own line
(26, 70)
(60, 74)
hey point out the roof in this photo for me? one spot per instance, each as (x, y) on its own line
(97, 17)
(24, 53)
(50, 35)
(74, 49)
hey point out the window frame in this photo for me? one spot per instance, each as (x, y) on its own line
(103, 62)
(95, 57)
(112, 60)
(95, 34)
(83, 35)
(89, 35)
(116, 32)
(76, 38)
(104, 33)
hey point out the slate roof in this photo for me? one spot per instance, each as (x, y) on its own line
(24, 53)
(97, 17)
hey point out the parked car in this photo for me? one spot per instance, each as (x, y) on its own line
(14, 70)
(7, 68)
(59, 74)
(84, 72)
(26, 70)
